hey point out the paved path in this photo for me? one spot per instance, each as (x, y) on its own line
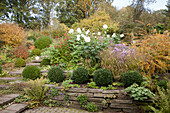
(56, 110)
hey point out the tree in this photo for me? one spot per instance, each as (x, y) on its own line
(44, 9)
(19, 11)
(139, 7)
(71, 11)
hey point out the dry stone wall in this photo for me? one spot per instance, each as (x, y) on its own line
(112, 100)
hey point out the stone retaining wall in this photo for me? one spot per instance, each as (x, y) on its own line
(111, 100)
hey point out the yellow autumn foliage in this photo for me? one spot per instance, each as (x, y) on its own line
(11, 34)
(95, 22)
(156, 48)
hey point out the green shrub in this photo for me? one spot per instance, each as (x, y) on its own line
(45, 62)
(131, 77)
(31, 72)
(160, 28)
(161, 103)
(56, 74)
(43, 42)
(20, 62)
(31, 38)
(139, 93)
(91, 107)
(162, 84)
(82, 99)
(0, 69)
(103, 77)
(80, 75)
(36, 52)
(36, 90)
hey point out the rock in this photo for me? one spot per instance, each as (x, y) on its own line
(95, 90)
(78, 90)
(110, 91)
(121, 101)
(104, 95)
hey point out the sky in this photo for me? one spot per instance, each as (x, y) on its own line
(160, 4)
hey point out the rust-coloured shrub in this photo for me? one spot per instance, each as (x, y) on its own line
(156, 49)
(11, 34)
(21, 52)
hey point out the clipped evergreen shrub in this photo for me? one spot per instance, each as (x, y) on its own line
(131, 77)
(36, 52)
(56, 74)
(43, 42)
(45, 62)
(0, 69)
(31, 38)
(80, 75)
(103, 77)
(162, 84)
(31, 72)
(20, 62)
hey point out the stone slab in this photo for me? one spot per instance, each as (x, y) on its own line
(95, 90)
(35, 64)
(104, 95)
(121, 101)
(19, 72)
(78, 90)
(36, 61)
(15, 108)
(99, 100)
(10, 78)
(4, 86)
(122, 106)
(110, 92)
(7, 99)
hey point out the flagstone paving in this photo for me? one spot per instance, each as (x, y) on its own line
(56, 110)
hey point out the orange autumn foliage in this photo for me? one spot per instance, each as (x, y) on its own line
(11, 34)
(156, 48)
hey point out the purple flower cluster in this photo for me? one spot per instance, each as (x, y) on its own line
(122, 51)
(118, 59)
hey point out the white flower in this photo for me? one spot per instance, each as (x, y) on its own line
(87, 39)
(94, 33)
(122, 35)
(99, 33)
(133, 42)
(114, 35)
(78, 37)
(78, 30)
(71, 31)
(83, 29)
(95, 37)
(37, 58)
(108, 36)
(83, 35)
(105, 26)
(87, 32)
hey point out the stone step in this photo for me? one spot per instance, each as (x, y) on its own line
(4, 86)
(36, 61)
(5, 99)
(10, 78)
(20, 72)
(35, 64)
(14, 108)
